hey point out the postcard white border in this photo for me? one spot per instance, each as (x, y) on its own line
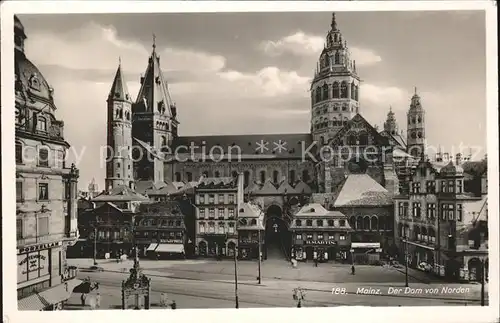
(373, 314)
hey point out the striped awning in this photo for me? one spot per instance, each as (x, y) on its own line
(48, 297)
(152, 247)
(170, 247)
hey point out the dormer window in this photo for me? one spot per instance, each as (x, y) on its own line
(41, 124)
(34, 82)
(298, 223)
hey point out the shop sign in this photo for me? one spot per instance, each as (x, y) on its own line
(320, 242)
(32, 262)
(171, 241)
(365, 245)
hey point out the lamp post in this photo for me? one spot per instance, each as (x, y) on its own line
(95, 245)
(406, 260)
(260, 258)
(236, 277)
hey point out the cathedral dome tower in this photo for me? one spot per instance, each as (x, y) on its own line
(335, 87)
(416, 127)
(390, 125)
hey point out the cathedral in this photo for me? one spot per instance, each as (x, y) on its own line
(342, 151)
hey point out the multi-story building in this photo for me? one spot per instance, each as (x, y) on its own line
(46, 190)
(315, 229)
(108, 227)
(440, 224)
(216, 205)
(250, 232)
(159, 229)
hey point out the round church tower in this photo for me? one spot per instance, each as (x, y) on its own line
(334, 89)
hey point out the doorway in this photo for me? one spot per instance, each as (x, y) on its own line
(277, 241)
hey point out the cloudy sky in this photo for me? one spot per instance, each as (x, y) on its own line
(237, 73)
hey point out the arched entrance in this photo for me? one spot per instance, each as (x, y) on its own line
(277, 236)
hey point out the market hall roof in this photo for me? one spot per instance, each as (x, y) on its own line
(362, 190)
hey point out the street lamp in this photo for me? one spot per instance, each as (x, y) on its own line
(406, 260)
(95, 245)
(236, 277)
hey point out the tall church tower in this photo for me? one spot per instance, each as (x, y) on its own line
(119, 165)
(335, 87)
(154, 120)
(416, 127)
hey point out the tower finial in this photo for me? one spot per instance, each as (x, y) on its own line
(119, 60)
(154, 41)
(334, 22)
(390, 108)
(415, 90)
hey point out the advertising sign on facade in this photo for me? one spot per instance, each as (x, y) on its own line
(171, 241)
(32, 265)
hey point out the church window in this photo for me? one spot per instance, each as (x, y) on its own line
(337, 58)
(336, 90)
(351, 140)
(343, 90)
(413, 120)
(353, 90)
(41, 124)
(336, 37)
(235, 174)
(189, 176)
(128, 115)
(318, 95)
(34, 82)
(419, 135)
(325, 92)
(413, 135)
(177, 177)
(357, 93)
(312, 97)
(262, 176)
(305, 176)
(419, 119)
(275, 176)
(121, 114)
(216, 174)
(344, 107)
(205, 173)
(292, 176)
(117, 165)
(163, 142)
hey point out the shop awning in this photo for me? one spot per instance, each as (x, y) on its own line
(54, 295)
(375, 245)
(152, 247)
(170, 247)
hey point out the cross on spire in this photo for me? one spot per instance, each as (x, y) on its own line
(154, 41)
(415, 90)
(119, 60)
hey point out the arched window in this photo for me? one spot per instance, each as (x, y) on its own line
(357, 93)
(381, 223)
(177, 177)
(374, 223)
(343, 90)
(309, 223)
(331, 223)
(305, 176)
(351, 140)
(322, 141)
(216, 174)
(127, 115)
(253, 222)
(121, 114)
(416, 232)
(336, 37)
(312, 97)
(235, 173)
(353, 90)
(298, 223)
(262, 176)
(352, 222)
(246, 177)
(319, 223)
(359, 223)
(291, 176)
(337, 58)
(325, 92)
(41, 124)
(163, 142)
(318, 95)
(336, 90)
(205, 173)
(275, 176)
(366, 223)
(189, 176)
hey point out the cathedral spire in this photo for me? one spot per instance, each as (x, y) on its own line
(119, 90)
(154, 42)
(334, 22)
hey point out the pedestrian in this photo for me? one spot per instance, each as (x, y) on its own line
(173, 305)
(96, 285)
(353, 270)
(98, 300)
(82, 298)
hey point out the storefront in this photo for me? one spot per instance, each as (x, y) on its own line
(37, 288)
(213, 246)
(325, 250)
(365, 252)
(166, 249)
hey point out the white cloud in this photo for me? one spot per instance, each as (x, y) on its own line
(270, 81)
(389, 95)
(73, 51)
(301, 44)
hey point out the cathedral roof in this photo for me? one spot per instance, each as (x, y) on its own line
(217, 183)
(263, 146)
(150, 149)
(120, 193)
(153, 95)
(358, 122)
(285, 187)
(362, 190)
(268, 188)
(149, 187)
(119, 89)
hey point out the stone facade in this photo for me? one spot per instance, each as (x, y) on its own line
(46, 190)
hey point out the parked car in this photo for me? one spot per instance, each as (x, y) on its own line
(92, 269)
(424, 267)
